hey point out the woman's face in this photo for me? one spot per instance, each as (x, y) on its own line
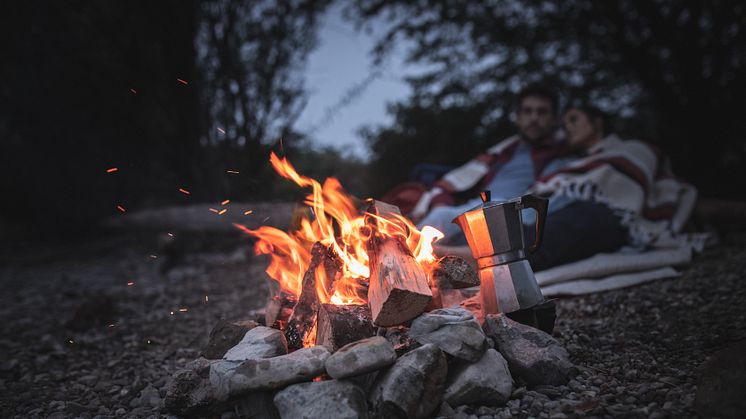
(580, 131)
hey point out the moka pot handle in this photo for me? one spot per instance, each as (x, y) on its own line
(540, 205)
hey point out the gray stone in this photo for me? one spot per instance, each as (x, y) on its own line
(454, 330)
(259, 342)
(226, 335)
(220, 375)
(361, 357)
(190, 392)
(232, 378)
(364, 381)
(487, 381)
(413, 386)
(322, 399)
(256, 405)
(532, 355)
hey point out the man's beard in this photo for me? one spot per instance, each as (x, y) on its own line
(542, 137)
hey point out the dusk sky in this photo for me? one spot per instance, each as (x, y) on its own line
(340, 62)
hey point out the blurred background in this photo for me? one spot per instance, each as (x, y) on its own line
(195, 94)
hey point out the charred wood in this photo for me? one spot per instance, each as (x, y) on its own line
(339, 325)
(303, 318)
(454, 272)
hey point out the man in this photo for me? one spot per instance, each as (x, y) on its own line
(507, 169)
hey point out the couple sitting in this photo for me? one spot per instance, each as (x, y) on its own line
(604, 193)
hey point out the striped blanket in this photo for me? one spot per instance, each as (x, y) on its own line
(635, 181)
(478, 171)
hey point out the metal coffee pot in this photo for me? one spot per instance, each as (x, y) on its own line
(494, 232)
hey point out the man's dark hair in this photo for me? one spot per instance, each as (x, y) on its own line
(538, 90)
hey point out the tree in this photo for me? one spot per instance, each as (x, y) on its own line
(251, 56)
(673, 68)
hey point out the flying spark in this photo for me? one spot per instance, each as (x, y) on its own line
(226, 202)
(207, 298)
(184, 82)
(220, 130)
(183, 310)
(222, 211)
(248, 212)
(184, 191)
(130, 283)
(112, 170)
(214, 210)
(121, 208)
(233, 172)
(133, 91)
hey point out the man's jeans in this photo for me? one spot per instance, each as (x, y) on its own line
(575, 232)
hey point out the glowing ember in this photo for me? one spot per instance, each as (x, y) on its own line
(337, 224)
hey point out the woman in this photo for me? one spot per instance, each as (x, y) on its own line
(578, 226)
(620, 193)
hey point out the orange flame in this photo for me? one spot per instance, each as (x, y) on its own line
(336, 224)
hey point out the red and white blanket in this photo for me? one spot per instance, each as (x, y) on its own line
(635, 181)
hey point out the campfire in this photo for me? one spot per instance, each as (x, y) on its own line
(342, 259)
(366, 322)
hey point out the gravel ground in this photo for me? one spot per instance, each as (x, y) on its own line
(78, 341)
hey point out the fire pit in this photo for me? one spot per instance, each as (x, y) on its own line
(365, 320)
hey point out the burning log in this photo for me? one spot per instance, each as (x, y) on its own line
(398, 289)
(398, 285)
(383, 209)
(339, 325)
(302, 320)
